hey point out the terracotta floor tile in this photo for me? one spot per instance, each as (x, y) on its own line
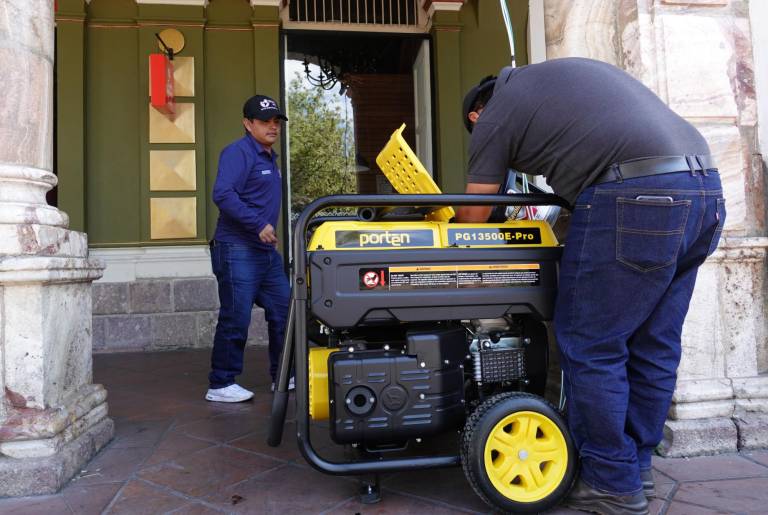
(664, 489)
(207, 471)
(88, 500)
(395, 504)
(445, 485)
(173, 446)
(681, 508)
(224, 428)
(140, 498)
(112, 465)
(144, 433)
(709, 467)
(743, 496)
(257, 442)
(43, 505)
(196, 509)
(657, 506)
(289, 489)
(122, 402)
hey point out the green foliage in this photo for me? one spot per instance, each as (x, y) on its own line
(319, 159)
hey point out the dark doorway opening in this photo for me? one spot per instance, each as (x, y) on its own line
(382, 78)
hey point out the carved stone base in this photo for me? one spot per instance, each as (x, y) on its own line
(46, 475)
(698, 436)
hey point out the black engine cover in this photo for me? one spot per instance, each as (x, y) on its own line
(387, 397)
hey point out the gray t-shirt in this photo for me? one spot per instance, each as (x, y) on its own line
(570, 119)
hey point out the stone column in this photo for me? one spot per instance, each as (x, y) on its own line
(52, 418)
(696, 55)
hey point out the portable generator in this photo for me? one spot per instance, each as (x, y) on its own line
(405, 327)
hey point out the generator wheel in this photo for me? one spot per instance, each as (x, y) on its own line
(517, 453)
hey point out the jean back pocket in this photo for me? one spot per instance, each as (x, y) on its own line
(649, 232)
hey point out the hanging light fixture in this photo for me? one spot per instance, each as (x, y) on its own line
(327, 77)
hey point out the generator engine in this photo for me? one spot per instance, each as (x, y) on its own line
(498, 353)
(397, 393)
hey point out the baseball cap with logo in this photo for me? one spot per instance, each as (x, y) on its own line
(262, 108)
(482, 92)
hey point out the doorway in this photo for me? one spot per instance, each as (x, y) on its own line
(346, 94)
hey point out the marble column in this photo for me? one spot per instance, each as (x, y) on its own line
(697, 56)
(52, 418)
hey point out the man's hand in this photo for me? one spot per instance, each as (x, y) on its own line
(469, 214)
(267, 235)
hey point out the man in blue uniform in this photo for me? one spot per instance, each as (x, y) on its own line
(248, 268)
(648, 210)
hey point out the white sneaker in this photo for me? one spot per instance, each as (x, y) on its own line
(231, 393)
(291, 385)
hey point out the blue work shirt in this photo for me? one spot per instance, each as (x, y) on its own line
(248, 191)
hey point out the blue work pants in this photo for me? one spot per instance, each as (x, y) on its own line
(626, 279)
(246, 276)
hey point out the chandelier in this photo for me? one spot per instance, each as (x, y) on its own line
(327, 76)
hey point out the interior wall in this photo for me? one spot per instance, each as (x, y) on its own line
(381, 103)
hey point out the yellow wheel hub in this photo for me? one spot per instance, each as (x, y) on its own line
(526, 456)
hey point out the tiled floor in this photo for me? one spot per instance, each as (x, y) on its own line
(175, 453)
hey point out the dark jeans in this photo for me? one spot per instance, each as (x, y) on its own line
(626, 281)
(246, 275)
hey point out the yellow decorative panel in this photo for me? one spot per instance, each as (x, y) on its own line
(183, 77)
(176, 128)
(172, 170)
(173, 218)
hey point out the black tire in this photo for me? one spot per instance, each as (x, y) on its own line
(556, 466)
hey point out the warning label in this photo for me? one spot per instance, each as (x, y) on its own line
(452, 277)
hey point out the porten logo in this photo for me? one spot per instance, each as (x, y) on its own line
(384, 239)
(393, 239)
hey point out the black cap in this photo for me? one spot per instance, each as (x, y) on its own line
(473, 94)
(262, 108)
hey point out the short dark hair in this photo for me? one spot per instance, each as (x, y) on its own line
(484, 95)
(477, 98)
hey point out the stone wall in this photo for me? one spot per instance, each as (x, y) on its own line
(161, 314)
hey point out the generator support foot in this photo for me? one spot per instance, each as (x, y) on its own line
(370, 491)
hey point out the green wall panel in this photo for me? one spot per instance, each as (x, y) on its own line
(229, 12)
(112, 136)
(446, 44)
(482, 49)
(112, 9)
(70, 116)
(228, 83)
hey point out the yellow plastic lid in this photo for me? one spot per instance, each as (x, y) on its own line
(406, 173)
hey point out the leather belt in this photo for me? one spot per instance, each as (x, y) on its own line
(655, 166)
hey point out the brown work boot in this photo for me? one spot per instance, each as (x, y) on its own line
(585, 498)
(649, 486)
